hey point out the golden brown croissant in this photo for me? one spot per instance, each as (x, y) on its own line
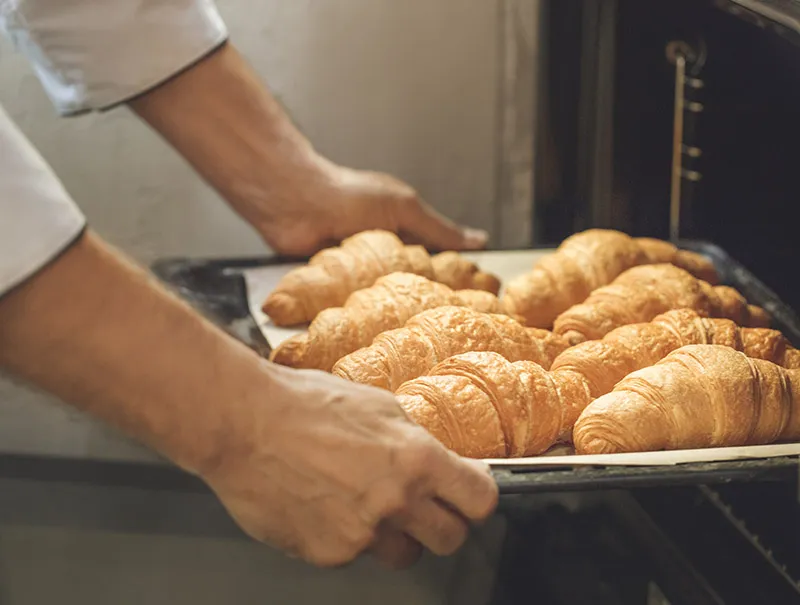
(697, 397)
(484, 301)
(452, 269)
(386, 305)
(641, 293)
(584, 262)
(333, 274)
(480, 405)
(600, 364)
(454, 393)
(434, 335)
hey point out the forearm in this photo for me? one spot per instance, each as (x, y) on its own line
(98, 332)
(222, 118)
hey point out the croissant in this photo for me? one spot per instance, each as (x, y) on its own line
(584, 262)
(386, 305)
(485, 302)
(697, 397)
(467, 388)
(641, 293)
(426, 339)
(452, 269)
(480, 405)
(333, 274)
(601, 364)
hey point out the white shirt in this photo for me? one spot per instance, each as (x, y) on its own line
(88, 55)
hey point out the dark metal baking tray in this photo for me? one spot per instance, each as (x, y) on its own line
(781, 17)
(217, 289)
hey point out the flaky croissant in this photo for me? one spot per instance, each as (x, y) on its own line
(584, 262)
(452, 269)
(467, 387)
(699, 396)
(432, 336)
(601, 364)
(386, 305)
(333, 274)
(641, 293)
(480, 405)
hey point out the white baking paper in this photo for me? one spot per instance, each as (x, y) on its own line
(564, 458)
(262, 280)
(507, 265)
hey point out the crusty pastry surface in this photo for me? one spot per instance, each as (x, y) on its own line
(699, 396)
(386, 305)
(333, 274)
(640, 294)
(432, 336)
(584, 262)
(478, 387)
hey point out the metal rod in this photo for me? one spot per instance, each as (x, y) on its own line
(677, 145)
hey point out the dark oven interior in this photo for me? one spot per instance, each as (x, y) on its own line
(606, 127)
(604, 159)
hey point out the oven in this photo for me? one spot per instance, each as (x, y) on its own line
(607, 122)
(680, 120)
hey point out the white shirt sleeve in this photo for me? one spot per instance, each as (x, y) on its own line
(38, 219)
(94, 54)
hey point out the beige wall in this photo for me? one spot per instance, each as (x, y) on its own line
(406, 86)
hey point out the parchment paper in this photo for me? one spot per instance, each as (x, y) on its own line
(261, 281)
(506, 265)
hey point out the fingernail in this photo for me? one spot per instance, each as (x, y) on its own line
(475, 238)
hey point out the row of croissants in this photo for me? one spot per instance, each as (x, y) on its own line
(609, 344)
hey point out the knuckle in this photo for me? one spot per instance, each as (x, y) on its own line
(391, 501)
(408, 198)
(300, 240)
(354, 539)
(360, 542)
(418, 458)
(337, 547)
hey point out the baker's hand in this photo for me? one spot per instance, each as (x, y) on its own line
(340, 201)
(224, 121)
(326, 470)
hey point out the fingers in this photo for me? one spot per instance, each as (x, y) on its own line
(467, 485)
(395, 549)
(421, 223)
(436, 527)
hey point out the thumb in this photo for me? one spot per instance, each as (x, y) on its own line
(425, 225)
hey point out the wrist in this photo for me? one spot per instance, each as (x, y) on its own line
(223, 120)
(248, 425)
